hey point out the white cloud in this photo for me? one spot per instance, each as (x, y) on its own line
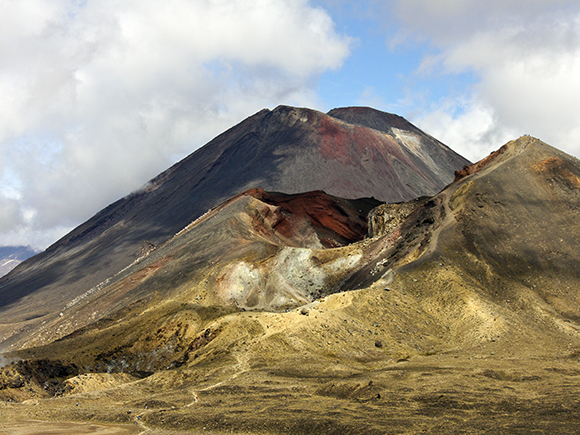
(526, 56)
(99, 96)
(449, 22)
(468, 126)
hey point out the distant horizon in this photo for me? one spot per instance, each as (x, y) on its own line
(12, 256)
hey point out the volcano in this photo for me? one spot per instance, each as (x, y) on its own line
(287, 149)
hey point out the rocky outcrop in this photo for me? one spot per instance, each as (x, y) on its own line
(385, 218)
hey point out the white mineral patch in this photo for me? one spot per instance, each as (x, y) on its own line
(241, 280)
(413, 144)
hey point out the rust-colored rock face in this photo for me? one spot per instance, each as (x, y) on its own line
(338, 222)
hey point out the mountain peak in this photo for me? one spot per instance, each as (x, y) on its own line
(372, 118)
(526, 146)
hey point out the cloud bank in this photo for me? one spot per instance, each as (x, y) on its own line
(525, 55)
(99, 96)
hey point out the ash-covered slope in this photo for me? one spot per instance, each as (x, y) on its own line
(493, 256)
(286, 150)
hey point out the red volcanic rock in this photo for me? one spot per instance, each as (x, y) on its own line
(337, 222)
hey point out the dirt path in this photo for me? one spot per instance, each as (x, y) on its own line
(51, 428)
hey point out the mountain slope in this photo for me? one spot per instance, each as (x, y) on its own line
(498, 249)
(286, 150)
(459, 313)
(217, 261)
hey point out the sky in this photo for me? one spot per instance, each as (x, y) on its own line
(99, 96)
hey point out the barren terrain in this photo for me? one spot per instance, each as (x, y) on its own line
(458, 313)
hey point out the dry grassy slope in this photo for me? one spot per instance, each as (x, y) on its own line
(463, 317)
